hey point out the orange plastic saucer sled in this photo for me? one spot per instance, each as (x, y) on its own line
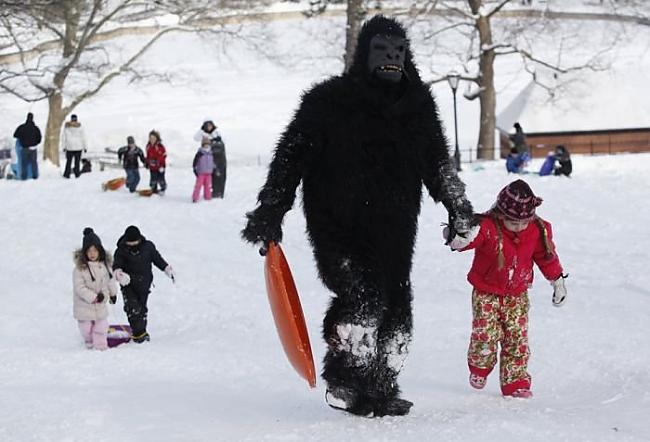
(287, 312)
(113, 184)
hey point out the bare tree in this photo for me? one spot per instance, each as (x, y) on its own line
(356, 12)
(62, 51)
(487, 29)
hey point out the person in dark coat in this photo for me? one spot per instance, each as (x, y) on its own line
(29, 136)
(363, 144)
(218, 147)
(564, 159)
(129, 156)
(519, 140)
(132, 269)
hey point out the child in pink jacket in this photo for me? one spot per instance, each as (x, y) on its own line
(506, 243)
(93, 286)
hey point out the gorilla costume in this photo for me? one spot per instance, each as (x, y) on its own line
(362, 144)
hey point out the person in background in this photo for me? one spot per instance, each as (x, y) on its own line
(547, 165)
(204, 166)
(129, 155)
(519, 140)
(93, 286)
(508, 241)
(132, 267)
(208, 128)
(564, 159)
(28, 136)
(156, 162)
(74, 143)
(514, 163)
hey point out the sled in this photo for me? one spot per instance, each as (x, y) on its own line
(118, 334)
(113, 184)
(287, 313)
(145, 192)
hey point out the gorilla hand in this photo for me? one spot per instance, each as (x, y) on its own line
(264, 226)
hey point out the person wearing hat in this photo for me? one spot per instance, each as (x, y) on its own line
(508, 240)
(28, 137)
(132, 267)
(128, 155)
(93, 286)
(73, 142)
(209, 129)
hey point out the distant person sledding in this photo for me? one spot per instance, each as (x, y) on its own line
(514, 162)
(563, 157)
(209, 129)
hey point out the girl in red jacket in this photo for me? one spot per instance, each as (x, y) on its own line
(156, 162)
(507, 241)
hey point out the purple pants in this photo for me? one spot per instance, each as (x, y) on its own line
(202, 180)
(94, 333)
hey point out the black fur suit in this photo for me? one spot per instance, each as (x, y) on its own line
(362, 148)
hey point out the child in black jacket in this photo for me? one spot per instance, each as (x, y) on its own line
(132, 268)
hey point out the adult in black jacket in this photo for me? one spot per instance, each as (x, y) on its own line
(129, 156)
(29, 136)
(363, 144)
(132, 269)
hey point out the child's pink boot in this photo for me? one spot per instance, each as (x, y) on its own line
(477, 381)
(522, 393)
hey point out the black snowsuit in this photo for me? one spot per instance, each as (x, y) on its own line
(362, 149)
(136, 262)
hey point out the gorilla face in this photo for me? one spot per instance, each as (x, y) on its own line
(386, 56)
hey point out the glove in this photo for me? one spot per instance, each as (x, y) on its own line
(122, 278)
(559, 290)
(170, 273)
(161, 170)
(264, 226)
(100, 298)
(459, 242)
(113, 299)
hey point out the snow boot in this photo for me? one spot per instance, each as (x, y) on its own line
(522, 393)
(477, 381)
(139, 339)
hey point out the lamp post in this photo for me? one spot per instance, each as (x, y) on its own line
(453, 78)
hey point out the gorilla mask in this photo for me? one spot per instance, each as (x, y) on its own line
(386, 56)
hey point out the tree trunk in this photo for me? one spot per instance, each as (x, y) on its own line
(356, 13)
(55, 119)
(488, 100)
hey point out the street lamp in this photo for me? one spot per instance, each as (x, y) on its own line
(453, 78)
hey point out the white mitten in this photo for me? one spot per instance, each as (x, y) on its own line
(559, 291)
(122, 278)
(170, 273)
(458, 242)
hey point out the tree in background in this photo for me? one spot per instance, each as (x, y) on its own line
(64, 51)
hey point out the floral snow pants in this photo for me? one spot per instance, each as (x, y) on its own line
(500, 318)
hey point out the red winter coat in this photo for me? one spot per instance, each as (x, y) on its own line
(156, 155)
(520, 250)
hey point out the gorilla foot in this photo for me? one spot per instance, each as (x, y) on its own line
(393, 407)
(351, 401)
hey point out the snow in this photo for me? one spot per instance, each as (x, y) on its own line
(215, 369)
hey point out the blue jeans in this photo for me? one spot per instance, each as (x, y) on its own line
(132, 179)
(29, 161)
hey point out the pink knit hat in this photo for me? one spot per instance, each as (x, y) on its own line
(517, 201)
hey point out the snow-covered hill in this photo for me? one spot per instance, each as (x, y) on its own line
(215, 370)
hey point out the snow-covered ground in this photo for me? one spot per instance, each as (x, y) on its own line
(215, 370)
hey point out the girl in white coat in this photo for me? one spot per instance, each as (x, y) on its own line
(93, 286)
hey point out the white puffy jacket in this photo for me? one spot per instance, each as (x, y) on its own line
(87, 286)
(74, 138)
